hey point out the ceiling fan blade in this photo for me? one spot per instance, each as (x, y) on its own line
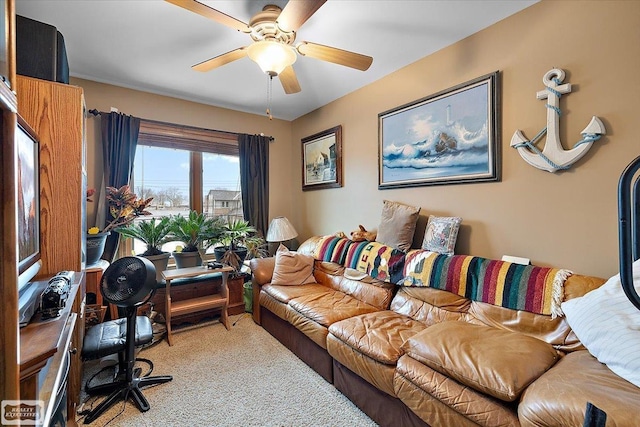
(289, 80)
(296, 13)
(211, 13)
(220, 60)
(335, 55)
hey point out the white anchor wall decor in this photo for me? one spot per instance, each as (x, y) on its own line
(554, 157)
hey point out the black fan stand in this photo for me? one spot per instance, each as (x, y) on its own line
(131, 384)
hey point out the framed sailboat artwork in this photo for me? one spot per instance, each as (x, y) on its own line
(451, 137)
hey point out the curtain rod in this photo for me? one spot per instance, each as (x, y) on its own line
(95, 112)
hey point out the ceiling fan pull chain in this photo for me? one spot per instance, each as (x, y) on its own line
(269, 84)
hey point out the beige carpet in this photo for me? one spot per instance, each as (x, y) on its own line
(241, 377)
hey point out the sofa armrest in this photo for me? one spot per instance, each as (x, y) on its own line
(262, 269)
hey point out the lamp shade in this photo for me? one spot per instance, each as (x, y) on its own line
(280, 230)
(271, 56)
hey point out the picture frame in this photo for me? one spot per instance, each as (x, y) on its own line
(450, 137)
(322, 160)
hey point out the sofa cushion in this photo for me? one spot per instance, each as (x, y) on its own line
(442, 401)
(494, 361)
(397, 225)
(329, 307)
(292, 268)
(377, 335)
(559, 397)
(429, 305)
(285, 293)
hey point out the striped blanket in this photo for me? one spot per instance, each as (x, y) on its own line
(515, 286)
(519, 287)
(377, 260)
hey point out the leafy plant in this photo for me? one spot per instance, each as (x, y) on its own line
(196, 231)
(124, 207)
(237, 235)
(154, 233)
(235, 232)
(256, 247)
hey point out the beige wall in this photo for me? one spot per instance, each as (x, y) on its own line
(155, 107)
(568, 219)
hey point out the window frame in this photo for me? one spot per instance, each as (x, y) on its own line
(197, 141)
(193, 139)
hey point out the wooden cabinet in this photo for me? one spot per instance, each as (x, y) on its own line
(56, 113)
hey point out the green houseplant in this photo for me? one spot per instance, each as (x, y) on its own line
(124, 206)
(197, 232)
(237, 241)
(154, 233)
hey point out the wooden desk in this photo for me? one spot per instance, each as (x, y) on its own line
(218, 300)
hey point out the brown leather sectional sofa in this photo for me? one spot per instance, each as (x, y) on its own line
(416, 356)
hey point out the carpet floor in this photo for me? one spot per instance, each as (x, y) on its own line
(240, 377)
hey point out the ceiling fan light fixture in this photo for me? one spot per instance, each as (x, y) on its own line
(271, 56)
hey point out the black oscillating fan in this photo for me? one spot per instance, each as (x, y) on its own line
(128, 283)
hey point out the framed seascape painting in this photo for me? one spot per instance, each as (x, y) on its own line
(451, 137)
(322, 160)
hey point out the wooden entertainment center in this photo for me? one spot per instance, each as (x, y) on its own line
(56, 112)
(33, 360)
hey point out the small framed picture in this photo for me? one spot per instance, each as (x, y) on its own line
(322, 160)
(450, 137)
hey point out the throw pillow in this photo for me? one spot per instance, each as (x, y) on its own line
(292, 268)
(608, 325)
(441, 234)
(397, 225)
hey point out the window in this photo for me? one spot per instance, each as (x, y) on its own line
(185, 168)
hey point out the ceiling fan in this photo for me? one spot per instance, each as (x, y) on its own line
(273, 31)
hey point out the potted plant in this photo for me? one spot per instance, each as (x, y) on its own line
(154, 233)
(197, 232)
(237, 241)
(124, 207)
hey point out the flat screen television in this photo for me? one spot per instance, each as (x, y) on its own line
(28, 215)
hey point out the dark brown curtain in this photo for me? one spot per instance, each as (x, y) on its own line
(119, 141)
(254, 179)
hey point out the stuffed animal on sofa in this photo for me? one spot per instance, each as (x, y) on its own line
(362, 234)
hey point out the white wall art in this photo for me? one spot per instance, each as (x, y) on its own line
(554, 157)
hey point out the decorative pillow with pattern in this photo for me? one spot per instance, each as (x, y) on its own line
(441, 234)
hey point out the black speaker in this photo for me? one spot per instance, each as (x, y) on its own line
(40, 51)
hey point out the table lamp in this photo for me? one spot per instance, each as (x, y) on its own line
(280, 230)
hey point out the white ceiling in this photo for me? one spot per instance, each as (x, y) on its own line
(150, 45)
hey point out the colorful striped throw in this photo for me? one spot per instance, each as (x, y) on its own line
(381, 262)
(377, 260)
(332, 249)
(519, 287)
